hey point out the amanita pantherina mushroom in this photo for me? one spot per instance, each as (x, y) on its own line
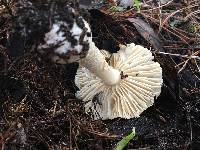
(123, 84)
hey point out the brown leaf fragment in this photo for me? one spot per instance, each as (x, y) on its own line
(147, 33)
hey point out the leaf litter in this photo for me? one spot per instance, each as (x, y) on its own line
(38, 107)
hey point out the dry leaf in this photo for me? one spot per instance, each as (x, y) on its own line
(147, 33)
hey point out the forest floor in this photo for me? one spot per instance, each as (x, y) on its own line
(38, 107)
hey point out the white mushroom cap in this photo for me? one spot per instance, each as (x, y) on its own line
(141, 82)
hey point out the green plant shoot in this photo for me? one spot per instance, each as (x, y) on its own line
(121, 144)
(137, 5)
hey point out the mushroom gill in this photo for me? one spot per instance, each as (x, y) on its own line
(141, 81)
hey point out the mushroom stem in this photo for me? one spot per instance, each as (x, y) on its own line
(95, 62)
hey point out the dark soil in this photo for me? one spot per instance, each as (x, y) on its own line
(38, 108)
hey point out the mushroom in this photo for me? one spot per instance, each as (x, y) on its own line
(123, 84)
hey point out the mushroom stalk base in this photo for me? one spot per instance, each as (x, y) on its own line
(95, 62)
